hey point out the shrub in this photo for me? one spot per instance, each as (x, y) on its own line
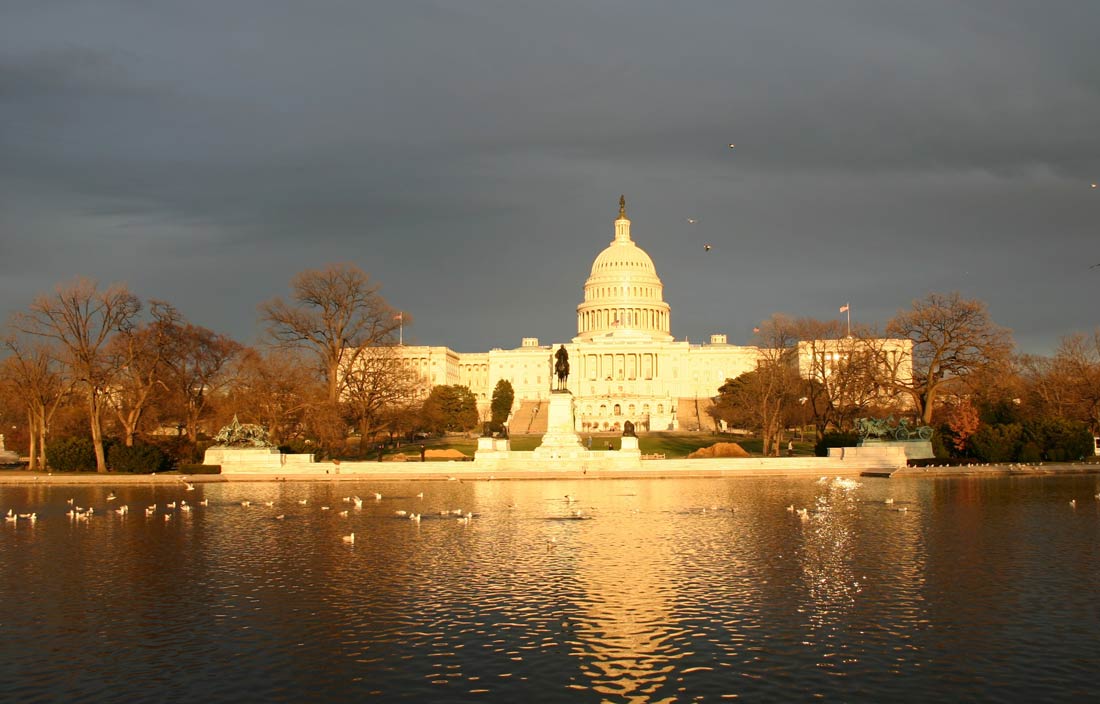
(997, 443)
(138, 459)
(298, 447)
(1030, 452)
(940, 446)
(75, 454)
(821, 449)
(200, 469)
(1060, 440)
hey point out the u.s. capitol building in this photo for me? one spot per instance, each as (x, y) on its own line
(625, 363)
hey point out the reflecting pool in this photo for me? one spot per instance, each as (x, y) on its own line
(619, 590)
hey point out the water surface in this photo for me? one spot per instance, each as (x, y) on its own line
(618, 590)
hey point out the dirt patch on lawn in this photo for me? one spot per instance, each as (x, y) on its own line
(720, 449)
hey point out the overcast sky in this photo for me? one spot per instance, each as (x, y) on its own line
(469, 156)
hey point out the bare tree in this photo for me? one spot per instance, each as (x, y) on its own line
(764, 398)
(139, 362)
(81, 319)
(270, 390)
(952, 338)
(843, 377)
(1075, 372)
(336, 313)
(200, 365)
(374, 387)
(36, 380)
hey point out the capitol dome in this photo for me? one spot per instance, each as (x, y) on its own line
(623, 296)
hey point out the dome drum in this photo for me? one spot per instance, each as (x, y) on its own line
(623, 294)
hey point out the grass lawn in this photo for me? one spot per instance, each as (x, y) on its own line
(670, 444)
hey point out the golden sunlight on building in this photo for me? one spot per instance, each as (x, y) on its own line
(625, 362)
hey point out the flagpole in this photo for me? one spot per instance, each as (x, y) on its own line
(848, 306)
(401, 331)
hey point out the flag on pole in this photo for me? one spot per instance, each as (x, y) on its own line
(844, 308)
(615, 323)
(399, 316)
(756, 329)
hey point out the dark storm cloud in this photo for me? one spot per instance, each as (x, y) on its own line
(453, 149)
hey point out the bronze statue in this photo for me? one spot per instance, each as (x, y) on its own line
(628, 430)
(622, 206)
(561, 367)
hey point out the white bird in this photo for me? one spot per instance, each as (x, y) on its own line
(167, 517)
(343, 514)
(888, 501)
(707, 248)
(204, 502)
(421, 495)
(732, 145)
(692, 221)
(280, 517)
(149, 511)
(415, 517)
(190, 486)
(350, 539)
(804, 514)
(246, 503)
(1073, 503)
(377, 496)
(790, 509)
(11, 518)
(111, 496)
(401, 514)
(303, 502)
(185, 508)
(326, 508)
(357, 501)
(171, 505)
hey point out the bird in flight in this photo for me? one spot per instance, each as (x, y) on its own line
(693, 221)
(706, 248)
(732, 145)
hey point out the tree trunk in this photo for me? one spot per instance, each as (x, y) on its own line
(94, 413)
(32, 434)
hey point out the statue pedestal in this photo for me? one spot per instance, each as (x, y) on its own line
(561, 439)
(914, 449)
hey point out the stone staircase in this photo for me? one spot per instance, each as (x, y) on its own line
(691, 414)
(529, 419)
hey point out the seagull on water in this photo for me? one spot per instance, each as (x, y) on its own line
(349, 539)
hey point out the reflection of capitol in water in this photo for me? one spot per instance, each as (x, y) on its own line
(626, 635)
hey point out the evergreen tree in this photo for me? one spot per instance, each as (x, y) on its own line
(501, 406)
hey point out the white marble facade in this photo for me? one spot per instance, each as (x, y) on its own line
(625, 363)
